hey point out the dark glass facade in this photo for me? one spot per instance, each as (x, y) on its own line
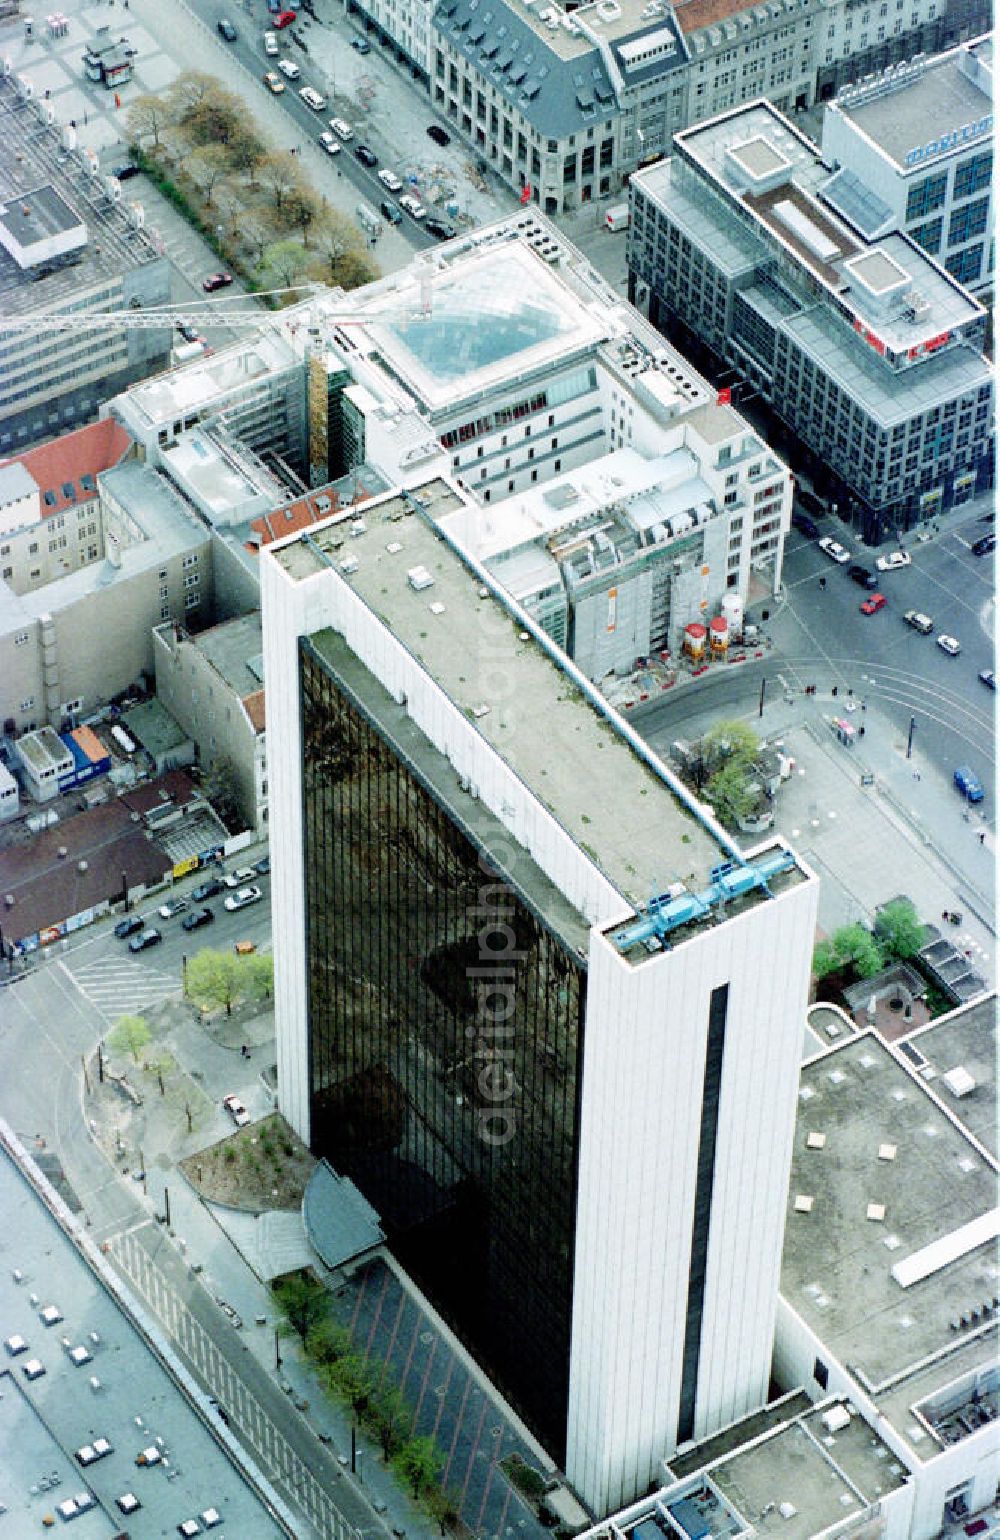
(445, 1044)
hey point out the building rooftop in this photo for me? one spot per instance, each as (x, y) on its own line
(104, 1393)
(151, 724)
(169, 528)
(910, 113)
(207, 382)
(785, 1461)
(235, 650)
(966, 1039)
(544, 727)
(74, 866)
(763, 166)
(692, 15)
(114, 242)
(65, 469)
(880, 1171)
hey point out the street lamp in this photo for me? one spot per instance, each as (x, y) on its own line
(277, 1348)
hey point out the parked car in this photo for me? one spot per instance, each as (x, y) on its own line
(836, 552)
(863, 576)
(988, 678)
(148, 938)
(284, 19)
(894, 560)
(236, 1110)
(129, 926)
(949, 644)
(207, 889)
(289, 69)
(873, 604)
(263, 866)
(984, 545)
(273, 82)
(124, 173)
(242, 898)
(244, 948)
(270, 45)
(227, 30)
(969, 784)
(216, 281)
(237, 878)
(361, 45)
(440, 228)
(329, 143)
(412, 205)
(171, 907)
(919, 621)
(197, 918)
(366, 155)
(389, 211)
(390, 179)
(227, 1309)
(805, 525)
(341, 129)
(437, 133)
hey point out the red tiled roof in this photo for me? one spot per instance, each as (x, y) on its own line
(695, 14)
(254, 707)
(294, 516)
(65, 460)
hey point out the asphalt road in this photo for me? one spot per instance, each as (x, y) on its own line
(248, 51)
(821, 636)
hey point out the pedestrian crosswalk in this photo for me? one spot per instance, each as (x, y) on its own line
(117, 986)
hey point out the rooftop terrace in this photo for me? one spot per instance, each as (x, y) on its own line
(575, 762)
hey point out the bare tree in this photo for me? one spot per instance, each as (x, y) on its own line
(356, 268)
(279, 174)
(257, 232)
(190, 89)
(230, 200)
(301, 209)
(333, 237)
(206, 166)
(148, 116)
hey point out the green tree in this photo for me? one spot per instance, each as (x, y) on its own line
(350, 1378)
(732, 740)
(215, 978)
(853, 948)
(730, 794)
(394, 1421)
(285, 262)
(327, 1341)
(303, 1302)
(419, 1462)
(258, 971)
(221, 786)
(898, 929)
(130, 1034)
(442, 1507)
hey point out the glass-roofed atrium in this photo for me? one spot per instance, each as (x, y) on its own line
(473, 323)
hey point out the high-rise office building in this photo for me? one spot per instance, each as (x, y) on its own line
(530, 998)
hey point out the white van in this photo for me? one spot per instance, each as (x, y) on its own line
(270, 45)
(313, 99)
(616, 218)
(341, 129)
(289, 69)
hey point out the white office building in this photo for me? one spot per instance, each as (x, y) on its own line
(912, 150)
(529, 998)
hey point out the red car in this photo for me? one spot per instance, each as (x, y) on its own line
(216, 281)
(283, 19)
(873, 604)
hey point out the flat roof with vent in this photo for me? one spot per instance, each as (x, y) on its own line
(877, 272)
(758, 157)
(892, 1253)
(652, 839)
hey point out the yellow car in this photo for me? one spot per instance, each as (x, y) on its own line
(274, 82)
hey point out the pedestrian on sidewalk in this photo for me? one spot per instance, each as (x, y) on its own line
(982, 836)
